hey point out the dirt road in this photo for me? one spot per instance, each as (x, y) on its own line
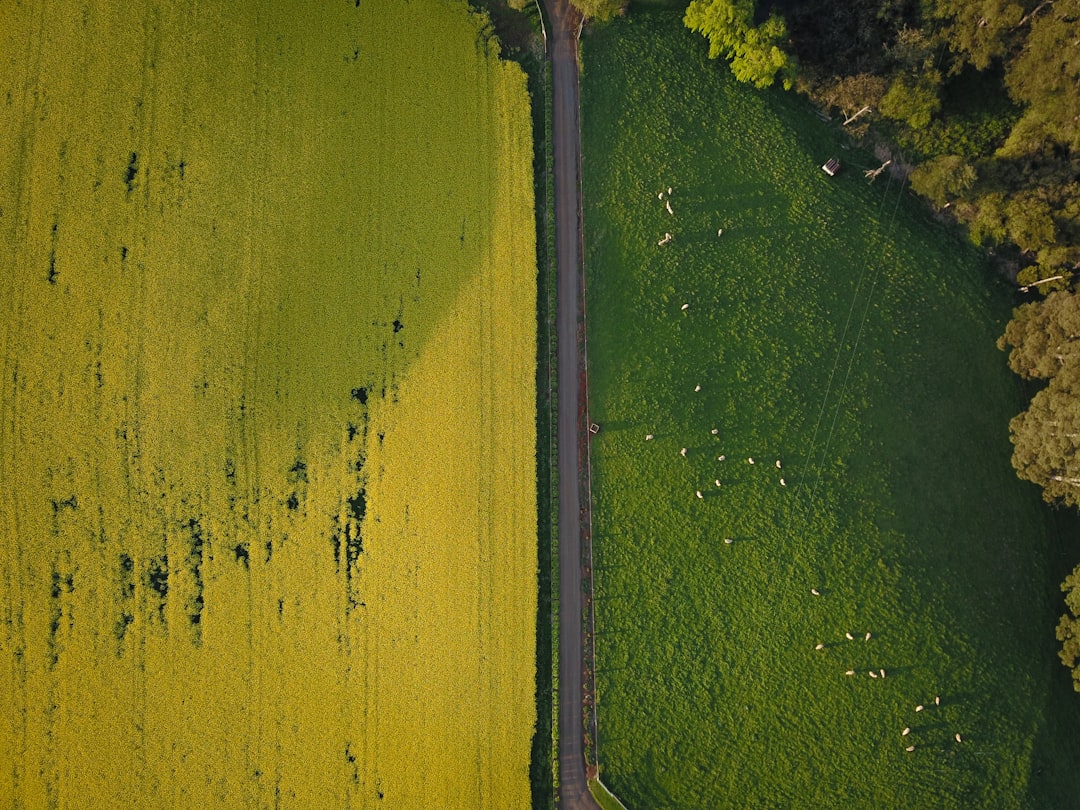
(566, 149)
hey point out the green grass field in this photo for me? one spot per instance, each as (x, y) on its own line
(267, 415)
(836, 328)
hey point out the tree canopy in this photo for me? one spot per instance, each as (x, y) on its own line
(1068, 629)
(755, 52)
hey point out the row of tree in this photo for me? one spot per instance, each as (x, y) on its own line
(1043, 340)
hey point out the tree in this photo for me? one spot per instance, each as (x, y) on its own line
(1044, 336)
(754, 52)
(980, 31)
(1068, 629)
(913, 100)
(1046, 74)
(1029, 221)
(943, 179)
(1046, 438)
(852, 93)
(598, 9)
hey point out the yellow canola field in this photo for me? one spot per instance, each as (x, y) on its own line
(267, 408)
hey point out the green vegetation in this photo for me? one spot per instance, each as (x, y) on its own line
(836, 327)
(992, 86)
(604, 797)
(268, 437)
(754, 51)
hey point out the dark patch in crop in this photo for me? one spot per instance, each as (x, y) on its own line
(55, 613)
(195, 563)
(242, 554)
(52, 274)
(293, 502)
(354, 543)
(269, 548)
(71, 502)
(358, 505)
(350, 431)
(157, 576)
(230, 471)
(335, 542)
(123, 253)
(382, 436)
(181, 167)
(126, 582)
(298, 472)
(360, 395)
(280, 607)
(350, 757)
(398, 325)
(462, 231)
(131, 172)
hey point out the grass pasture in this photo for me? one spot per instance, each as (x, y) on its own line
(836, 328)
(267, 423)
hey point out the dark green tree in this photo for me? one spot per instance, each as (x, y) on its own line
(943, 179)
(1044, 336)
(1068, 629)
(1046, 74)
(1046, 438)
(913, 100)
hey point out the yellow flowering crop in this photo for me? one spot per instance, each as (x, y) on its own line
(266, 418)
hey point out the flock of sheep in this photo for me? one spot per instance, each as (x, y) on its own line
(821, 646)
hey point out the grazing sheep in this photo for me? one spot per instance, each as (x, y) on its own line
(873, 674)
(937, 701)
(728, 541)
(850, 672)
(700, 496)
(649, 437)
(820, 646)
(778, 464)
(719, 231)
(905, 732)
(910, 748)
(783, 483)
(867, 637)
(683, 452)
(958, 737)
(919, 708)
(718, 482)
(882, 672)
(750, 461)
(721, 458)
(685, 307)
(668, 205)
(849, 636)
(660, 196)
(715, 431)
(697, 388)
(669, 191)
(815, 592)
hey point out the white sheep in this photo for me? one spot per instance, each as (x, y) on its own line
(905, 732)
(919, 708)
(820, 646)
(959, 738)
(750, 461)
(685, 307)
(783, 483)
(700, 496)
(849, 636)
(867, 637)
(815, 592)
(649, 437)
(721, 458)
(683, 452)
(910, 748)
